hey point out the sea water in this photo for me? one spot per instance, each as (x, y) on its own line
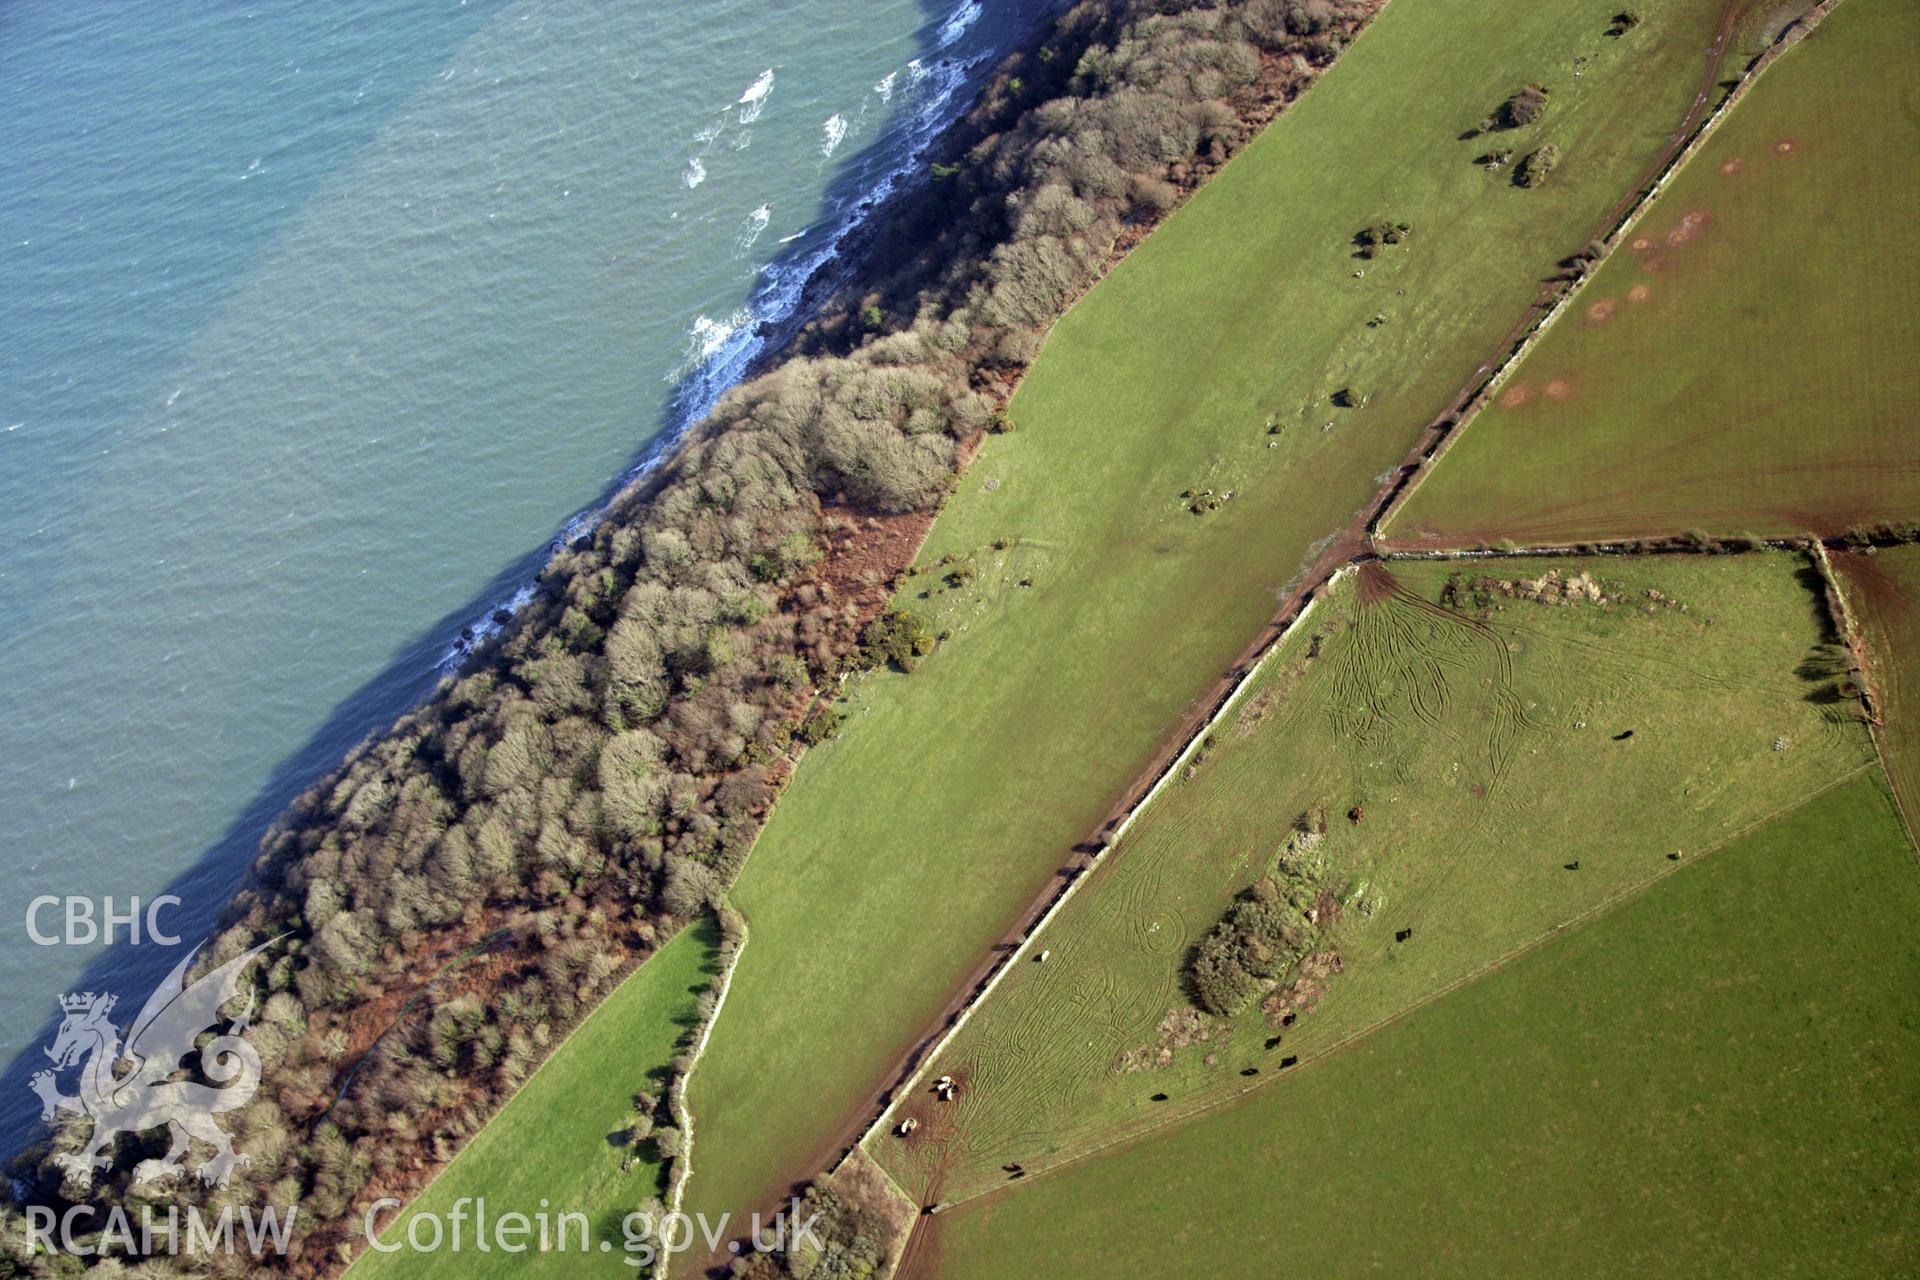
(321, 323)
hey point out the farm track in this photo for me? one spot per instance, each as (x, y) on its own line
(1348, 548)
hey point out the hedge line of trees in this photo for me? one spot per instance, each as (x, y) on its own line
(595, 777)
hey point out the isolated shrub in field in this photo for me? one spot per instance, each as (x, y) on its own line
(1262, 936)
(898, 637)
(1533, 170)
(1521, 109)
(1372, 239)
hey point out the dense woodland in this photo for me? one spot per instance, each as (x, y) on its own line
(464, 886)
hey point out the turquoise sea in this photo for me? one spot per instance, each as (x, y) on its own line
(320, 322)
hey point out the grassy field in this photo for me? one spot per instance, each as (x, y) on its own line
(549, 1146)
(1745, 362)
(1883, 590)
(1716, 1078)
(905, 848)
(1486, 762)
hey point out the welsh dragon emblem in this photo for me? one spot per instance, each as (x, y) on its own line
(132, 1088)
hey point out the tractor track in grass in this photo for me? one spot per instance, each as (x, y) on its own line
(1348, 548)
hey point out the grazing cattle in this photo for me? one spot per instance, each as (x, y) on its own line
(1042, 957)
(1010, 1168)
(1574, 865)
(1289, 1060)
(1158, 1097)
(1623, 735)
(1402, 935)
(1287, 1021)
(1251, 1071)
(907, 1126)
(1273, 1042)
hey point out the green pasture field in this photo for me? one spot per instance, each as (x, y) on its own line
(1512, 766)
(1745, 361)
(1883, 591)
(1715, 1078)
(549, 1146)
(905, 848)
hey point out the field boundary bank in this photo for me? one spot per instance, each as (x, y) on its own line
(1080, 872)
(682, 1110)
(1344, 548)
(1454, 423)
(1847, 628)
(1349, 1041)
(1856, 642)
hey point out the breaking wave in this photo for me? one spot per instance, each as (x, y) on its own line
(754, 100)
(957, 23)
(832, 132)
(719, 352)
(756, 223)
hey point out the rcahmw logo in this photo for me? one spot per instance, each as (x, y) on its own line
(167, 1231)
(84, 926)
(130, 1087)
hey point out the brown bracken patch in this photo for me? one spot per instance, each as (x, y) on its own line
(1639, 293)
(1732, 166)
(1785, 146)
(1559, 389)
(1515, 396)
(1602, 311)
